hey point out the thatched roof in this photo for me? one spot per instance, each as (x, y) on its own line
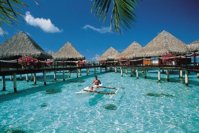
(67, 52)
(22, 44)
(194, 46)
(162, 44)
(130, 51)
(110, 53)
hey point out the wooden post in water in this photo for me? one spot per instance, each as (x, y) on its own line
(20, 77)
(87, 71)
(14, 82)
(115, 69)
(63, 75)
(11, 77)
(197, 75)
(145, 74)
(77, 73)
(35, 78)
(80, 72)
(137, 74)
(159, 76)
(126, 70)
(121, 69)
(69, 73)
(105, 69)
(186, 78)
(94, 70)
(167, 75)
(27, 79)
(181, 74)
(55, 75)
(44, 76)
(100, 69)
(31, 77)
(3, 83)
(131, 72)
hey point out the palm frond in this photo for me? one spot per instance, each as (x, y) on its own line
(122, 13)
(8, 10)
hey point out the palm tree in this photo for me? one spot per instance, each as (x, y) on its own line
(122, 13)
(8, 11)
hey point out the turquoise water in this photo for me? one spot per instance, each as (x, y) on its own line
(140, 105)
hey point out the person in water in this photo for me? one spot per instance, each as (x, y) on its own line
(95, 84)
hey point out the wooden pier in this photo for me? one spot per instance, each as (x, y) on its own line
(15, 69)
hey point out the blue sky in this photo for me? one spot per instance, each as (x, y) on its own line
(51, 24)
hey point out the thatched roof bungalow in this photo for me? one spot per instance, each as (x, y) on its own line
(68, 53)
(21, 45)
(130, 51)
(194, 46)
(164, 43)
(109, 54)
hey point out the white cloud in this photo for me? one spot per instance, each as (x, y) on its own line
(101, 30)
(2, 32)
(44, 24)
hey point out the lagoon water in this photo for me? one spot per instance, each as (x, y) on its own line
(140, 105)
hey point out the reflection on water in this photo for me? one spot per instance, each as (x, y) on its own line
(77, 81)
(15, 131)
(44, 105)
(159, 95)
(110, 106)
(94, 100)
(53, 91)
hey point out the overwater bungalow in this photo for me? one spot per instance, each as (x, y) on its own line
(18, 47)
(109, 57)
(68, 54)
(129, 53)
(194, 50)
(21, 45)
(165, 49)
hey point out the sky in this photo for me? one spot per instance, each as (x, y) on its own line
(51, 24)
